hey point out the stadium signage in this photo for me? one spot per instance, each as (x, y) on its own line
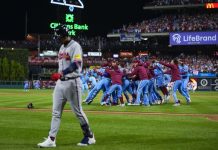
(71, 25)
(126, 54)
(211, 5)
(194, 38)
(143, 53)
(94, 54)
(130, 37)
(204, 84)
(50, 53)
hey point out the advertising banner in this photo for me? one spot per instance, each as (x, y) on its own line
(126, 54)
(215, 84)
(194, 38)
(94, 54)
(204, 84)
(130, 37)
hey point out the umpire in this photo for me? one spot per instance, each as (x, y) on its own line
(68, 88)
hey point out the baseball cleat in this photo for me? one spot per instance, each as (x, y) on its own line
(189, 101)
(48, 143)
(122, 105)
(177, 103)
(135, 104)
(88, 102)
(103, 103)
(87, 141)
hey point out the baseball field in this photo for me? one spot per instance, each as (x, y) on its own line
(160, 127)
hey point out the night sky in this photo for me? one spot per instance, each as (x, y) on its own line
(101, 16)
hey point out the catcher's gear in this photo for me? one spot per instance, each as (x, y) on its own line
(55, 76)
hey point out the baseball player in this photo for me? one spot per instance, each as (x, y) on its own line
(183, 68)
(68, 88)
(154, 96)
(141, 72)
(37, 84)
(116, 78)
(84, 80)
(127, 88)
(92, 81)
(160, 81)
(26, 85)
(103, 84)
(176, 78)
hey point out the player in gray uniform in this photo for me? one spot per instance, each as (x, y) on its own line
(68, 88)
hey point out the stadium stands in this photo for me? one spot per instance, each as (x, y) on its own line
(179, 22)
(162, 21)
(178, 2)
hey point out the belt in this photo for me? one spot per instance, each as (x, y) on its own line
(67, 78)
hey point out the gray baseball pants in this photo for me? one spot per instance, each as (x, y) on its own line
(64, 91)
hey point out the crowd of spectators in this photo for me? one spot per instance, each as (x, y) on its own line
(163, 23)
(178, 2)
(51, 44)
(169, 23)
(197, 63)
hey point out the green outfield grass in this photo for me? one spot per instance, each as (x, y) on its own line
(23, 129)
(202, 102)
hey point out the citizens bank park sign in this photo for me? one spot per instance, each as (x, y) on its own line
(194, 38)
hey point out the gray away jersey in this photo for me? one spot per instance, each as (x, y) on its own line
(72, 52)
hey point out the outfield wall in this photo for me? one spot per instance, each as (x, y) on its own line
(207, 83)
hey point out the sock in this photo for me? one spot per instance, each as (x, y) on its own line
(87, 131)
(134, 97)
(52, 138)
(121, 100)
(106, 97)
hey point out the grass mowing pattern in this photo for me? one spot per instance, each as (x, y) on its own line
(202, 102)
(23, 129)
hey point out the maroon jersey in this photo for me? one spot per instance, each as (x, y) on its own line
(174, 71)
(140, 72)
(151, 72)
(116, 76)
(149, 69)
